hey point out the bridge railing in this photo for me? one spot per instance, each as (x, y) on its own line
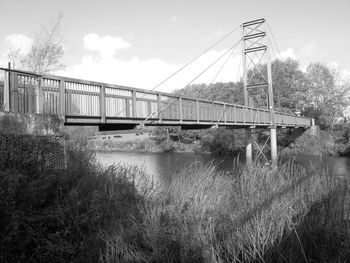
(98, 102)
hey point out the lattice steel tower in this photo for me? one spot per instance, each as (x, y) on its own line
(257, 78)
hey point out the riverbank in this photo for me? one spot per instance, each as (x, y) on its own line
(318, 143)
(119, 214)
(143, 145)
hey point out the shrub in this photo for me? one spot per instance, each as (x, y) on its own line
(59, 216)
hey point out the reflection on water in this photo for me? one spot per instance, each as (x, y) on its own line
(165, 164)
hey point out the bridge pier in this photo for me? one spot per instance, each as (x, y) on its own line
(273, 143)
(248, 147)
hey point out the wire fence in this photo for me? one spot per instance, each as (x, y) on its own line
(38, 152)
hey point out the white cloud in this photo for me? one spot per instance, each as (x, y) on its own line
(18, 41)
(289, 53)
(106, 45)
(309, 48)
(147, 73)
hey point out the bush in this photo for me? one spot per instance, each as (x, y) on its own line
(60, 216)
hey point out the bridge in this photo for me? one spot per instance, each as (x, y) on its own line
(82, 102)
(114, 107)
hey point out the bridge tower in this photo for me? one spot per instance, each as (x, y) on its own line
(257, 80)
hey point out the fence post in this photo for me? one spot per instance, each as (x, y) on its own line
(62, 97)
(6, 91)
(103, 103)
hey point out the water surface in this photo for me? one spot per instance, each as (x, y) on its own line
(164, 164)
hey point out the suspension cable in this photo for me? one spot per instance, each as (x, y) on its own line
(187, 64)
(274, 40)
(167, 104)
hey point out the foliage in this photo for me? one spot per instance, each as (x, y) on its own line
(319, 92)
(58, 216)
(245, 216)
(326, 97)
(289, 84)
(89, 214)
(145, 145)
(45, 52)
(227, 92)
(222, 141)
(79, 134)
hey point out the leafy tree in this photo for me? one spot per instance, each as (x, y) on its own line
(288, 81)
(45, 52)
(289, 84)
(327, 96)
(231, 92)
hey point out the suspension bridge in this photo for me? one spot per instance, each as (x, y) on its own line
(114, 107)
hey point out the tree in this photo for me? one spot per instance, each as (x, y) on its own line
(327, 96)
(289, 84)
(227, 92)
(45, 52)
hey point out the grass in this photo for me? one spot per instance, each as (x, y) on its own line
(251, 215)
(120, 214)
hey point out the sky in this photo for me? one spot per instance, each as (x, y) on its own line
(140, 43)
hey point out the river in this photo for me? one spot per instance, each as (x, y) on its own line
(164, 164)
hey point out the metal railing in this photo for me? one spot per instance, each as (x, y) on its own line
(101, 102)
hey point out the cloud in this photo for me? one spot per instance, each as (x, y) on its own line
(176, 19)
(147, 73)
(289, 53)
(19, 42)
(309, 48)
(106, 45)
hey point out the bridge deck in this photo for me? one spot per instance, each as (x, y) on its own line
(110, 106)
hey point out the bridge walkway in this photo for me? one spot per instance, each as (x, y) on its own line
(83, 102)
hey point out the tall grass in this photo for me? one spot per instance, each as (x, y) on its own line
(120, 214)
(250, 215)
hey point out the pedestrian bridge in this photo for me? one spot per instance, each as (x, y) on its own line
(111, 107)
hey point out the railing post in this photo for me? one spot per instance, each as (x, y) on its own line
(39, 96)
(235, 110)
(244, 110)
(103, 103)
(133, 104)
(159, 104)
(6, 91)
(212, 111)
(62, 97)
(224, 113)
(14, 92)
(251, 116)
(180, 109)
(197, 110)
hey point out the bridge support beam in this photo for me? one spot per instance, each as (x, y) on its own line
(273, 143)
(313, 127)
(248, 148)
